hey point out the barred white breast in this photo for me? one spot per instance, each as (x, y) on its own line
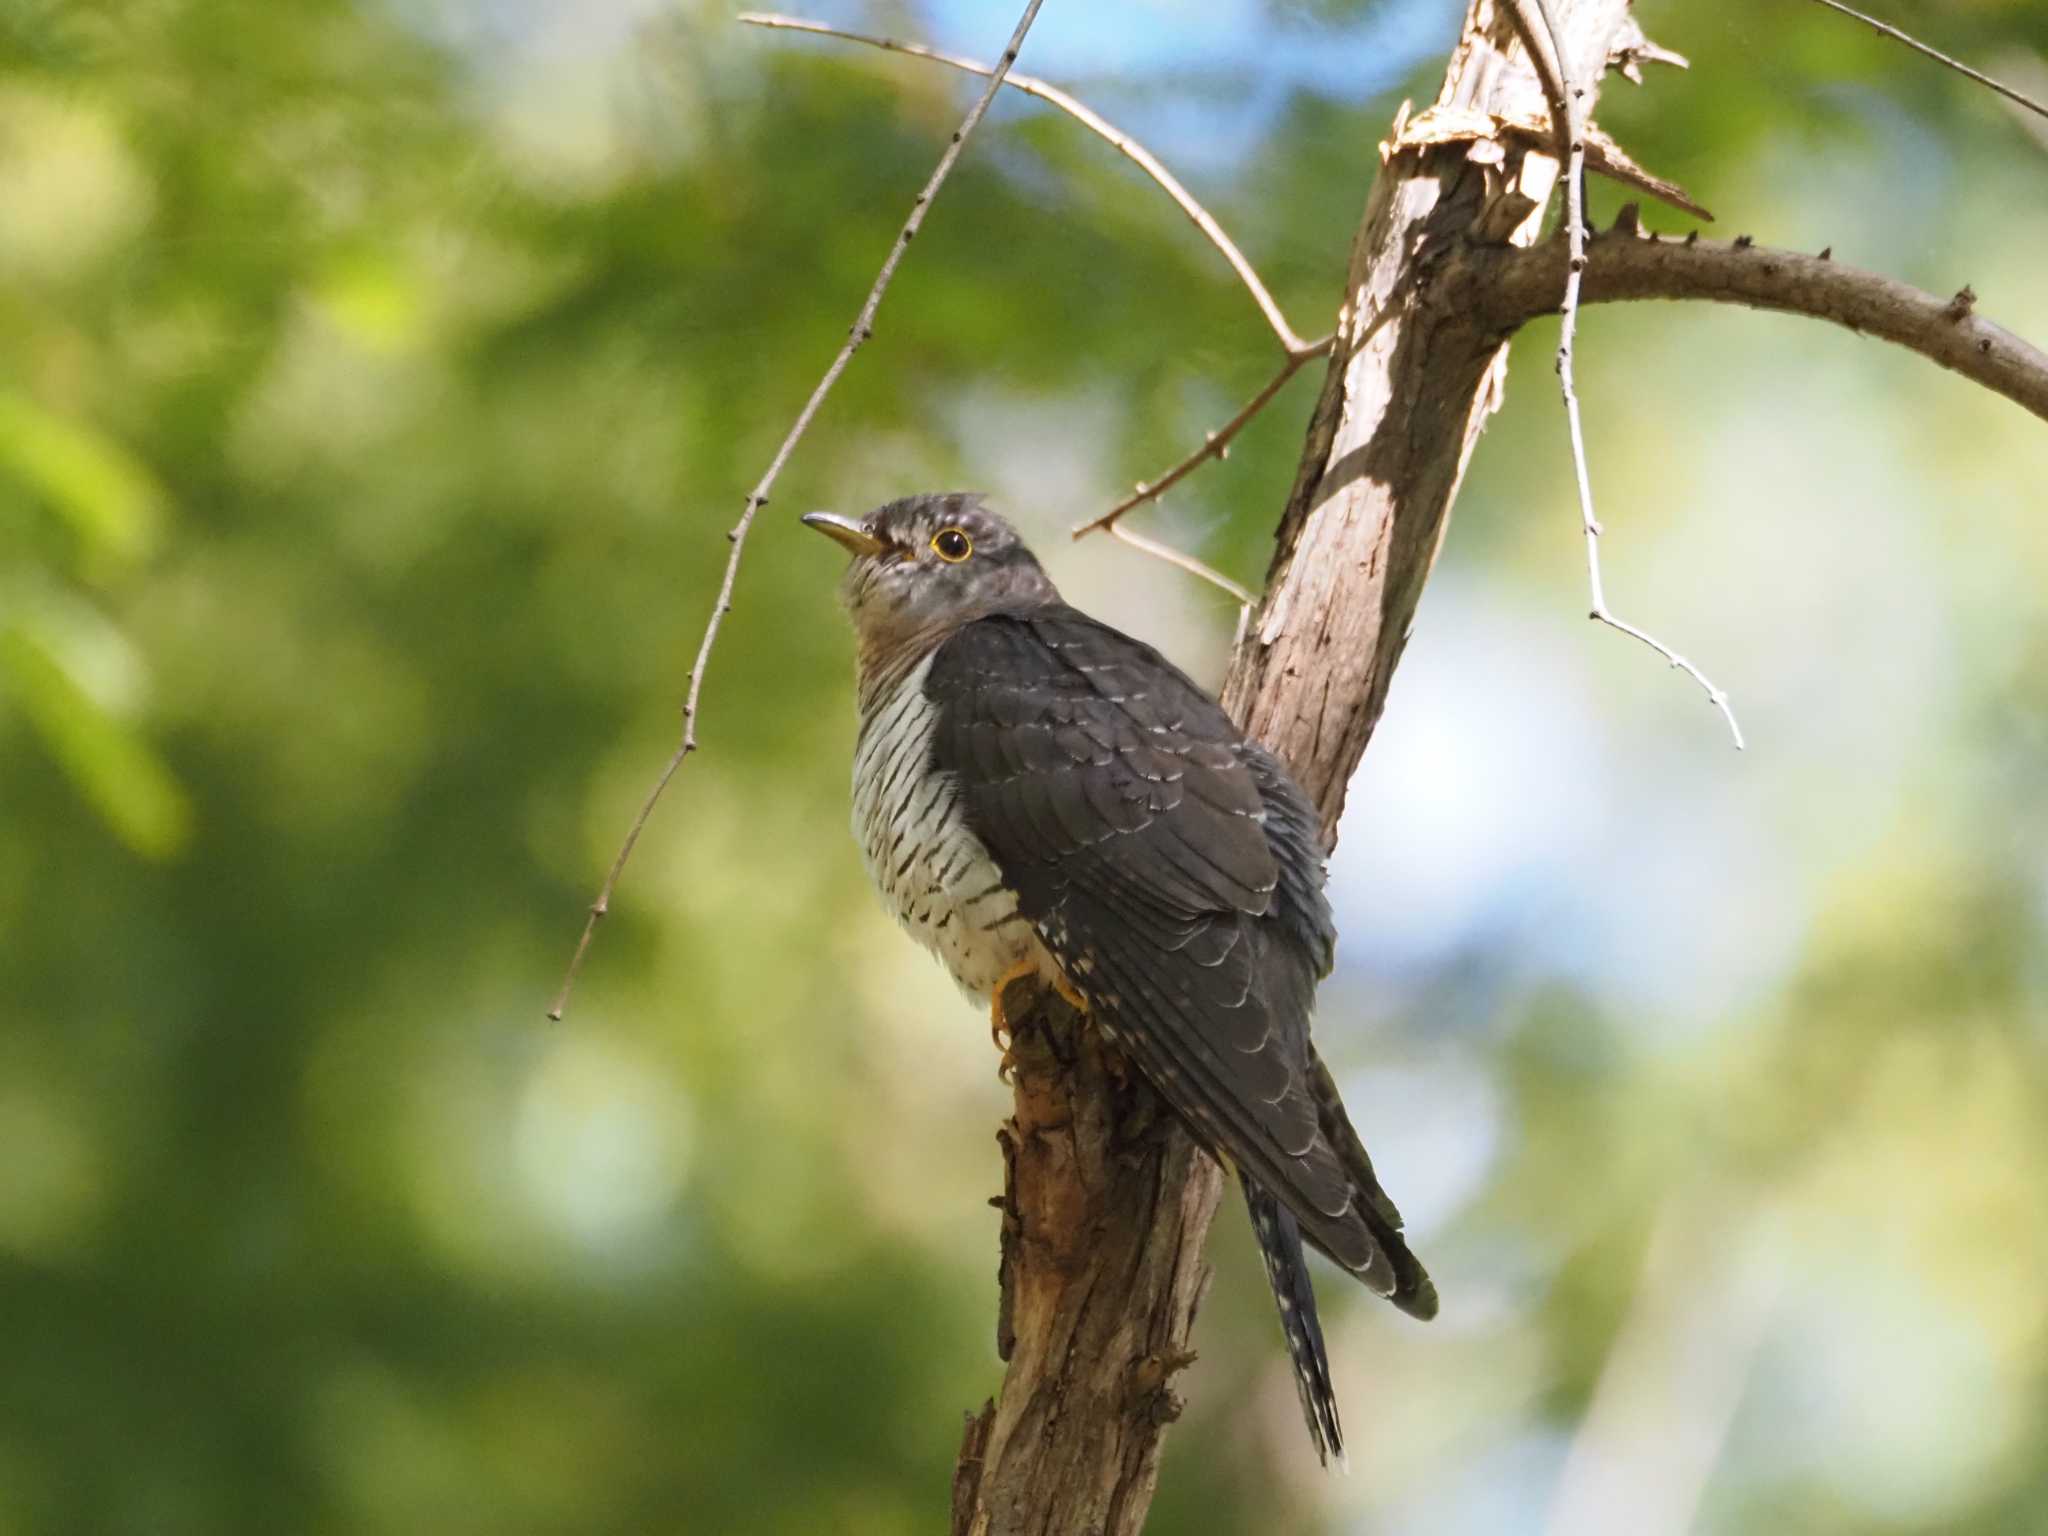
(934, 875)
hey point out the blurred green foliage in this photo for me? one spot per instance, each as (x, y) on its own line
(373, 391)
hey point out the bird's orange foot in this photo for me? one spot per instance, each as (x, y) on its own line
(999, 1029)
(1074, 999)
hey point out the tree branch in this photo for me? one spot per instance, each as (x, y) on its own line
(1105, 1200)
(1297, 351)
(1536, 25)
(1540, 34)
(1411, 383)
(2016, 97)
(1511, 287)
(1095, 123)
(1415, 371)
(863, 327)
(1103, 1235)
(1215, 445)
(1188, 563)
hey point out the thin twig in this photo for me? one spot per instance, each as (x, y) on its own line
(1574, 273)
(1535, 22)
(1536, 26)
(2016, 97)
(1125, 145)
(863, 328)
(1188, 563)
(1298, 351)
(1215, 445)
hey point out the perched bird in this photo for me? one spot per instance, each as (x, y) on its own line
(1036, 792)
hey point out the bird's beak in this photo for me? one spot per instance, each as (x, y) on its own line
(844, 530)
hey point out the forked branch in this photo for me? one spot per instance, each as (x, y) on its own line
(1095, 123)
(1296, 351)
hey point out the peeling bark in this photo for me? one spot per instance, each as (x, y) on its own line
(1107, 1201)
(1412, 380)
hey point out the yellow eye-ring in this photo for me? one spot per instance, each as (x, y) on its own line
(952, 545)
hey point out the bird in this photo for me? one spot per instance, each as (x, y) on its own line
(1038, 793)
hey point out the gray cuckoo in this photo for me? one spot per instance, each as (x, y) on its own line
(1037, 793)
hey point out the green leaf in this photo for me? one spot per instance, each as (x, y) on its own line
(110, 500)
(112, 766)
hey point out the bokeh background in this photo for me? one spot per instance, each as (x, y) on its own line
(376, 382)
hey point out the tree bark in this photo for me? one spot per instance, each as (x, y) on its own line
(1412, 380)
(1509, 287)
(1107, 1202)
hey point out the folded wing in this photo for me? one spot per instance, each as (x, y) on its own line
(1173, 870)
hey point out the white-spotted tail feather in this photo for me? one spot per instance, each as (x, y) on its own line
(1279, 1238)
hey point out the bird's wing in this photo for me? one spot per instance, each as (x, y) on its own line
(1131, 817)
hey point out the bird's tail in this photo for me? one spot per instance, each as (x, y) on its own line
(1414, 1292)
(1279, 1238)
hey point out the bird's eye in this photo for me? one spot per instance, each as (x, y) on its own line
(952, 545)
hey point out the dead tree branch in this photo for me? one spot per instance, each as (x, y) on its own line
(1095, 123)
(1297, 352)
(1575, 269)
(1536, 25)
(1510, 287)
(1411, 383)
(1094, 1325)
(2017, 98)
(1539, 34)
(1442, 274)
(1104, 1205)
(1188, 563)
(1215, 445)
(863, 327)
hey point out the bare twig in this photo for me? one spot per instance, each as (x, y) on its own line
(2034, 127)
(1505, 287)
(1536, 26)
(1601, 613)
(1298, 351)
(863, 328)
(1188, 563)
(1215, 445)
(1124, 144)
(2016, 97)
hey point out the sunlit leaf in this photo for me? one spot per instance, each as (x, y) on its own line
(106, 495)
(113, 767)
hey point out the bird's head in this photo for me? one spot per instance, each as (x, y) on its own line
(923, 565)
